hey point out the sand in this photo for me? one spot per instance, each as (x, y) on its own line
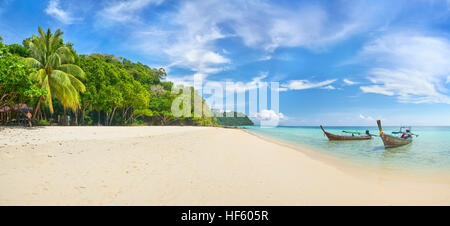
(186, 166)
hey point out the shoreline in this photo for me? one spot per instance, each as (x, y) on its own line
(353, 165)
(182, 165)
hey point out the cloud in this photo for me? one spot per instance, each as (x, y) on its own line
(265, 58)
(268, 118)
(231, 88)
(412, 67)
(376, 89)
(349, 82)
(188, 39)
(201, 60)
(53, 9)
(305, 84)
(187, 80)
(368, 118)
(190, 33)
(125, 11)
(304, 25)
(268, 115)
(329, 87)
(231, 85)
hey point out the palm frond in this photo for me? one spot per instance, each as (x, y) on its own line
(54, 60)
(79, 86)
(39, 76)
(31, 62)
(60, 78)
(65, 54)
(57, 75)
(73, 69)
(48, 97)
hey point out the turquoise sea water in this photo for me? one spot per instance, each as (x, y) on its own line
(430, 150)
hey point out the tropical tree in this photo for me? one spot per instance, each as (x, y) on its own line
(144, 74)
(16, 86)
(160, 105)
(56, 72)
(112, 90)
(18, 50)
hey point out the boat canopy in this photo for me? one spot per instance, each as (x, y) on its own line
(352, 132)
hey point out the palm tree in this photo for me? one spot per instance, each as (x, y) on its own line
(56, 72)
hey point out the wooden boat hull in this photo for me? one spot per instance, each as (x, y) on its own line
(340, 137)
(392, 141)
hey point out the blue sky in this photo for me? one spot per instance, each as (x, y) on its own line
(338, 62)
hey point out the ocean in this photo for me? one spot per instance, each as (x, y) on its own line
(430, 150)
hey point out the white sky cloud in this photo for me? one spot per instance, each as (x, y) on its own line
(329, 87)
(269, 115)
(53, 9)
(230, 85)
(230, 88)
(349, 82)
(409, 66)
(376, 89)
(368, 118)
(412, 67)
(125, 11)
(189, 35)
(305, 84)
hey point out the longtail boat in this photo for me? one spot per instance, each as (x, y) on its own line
(390, 141)
(342, 137)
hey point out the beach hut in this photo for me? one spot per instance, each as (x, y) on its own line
(12, 114)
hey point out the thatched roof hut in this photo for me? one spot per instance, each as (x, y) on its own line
(12, 113)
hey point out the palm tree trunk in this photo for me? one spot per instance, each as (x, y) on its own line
(37, 107)
(112, 116)
(76, 117)
(98, 120)
(107, 118)
(44, 114)
(82, 116)
(83, 112)
(64, 117)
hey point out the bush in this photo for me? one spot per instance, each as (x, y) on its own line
(138, 122)
(43, 122)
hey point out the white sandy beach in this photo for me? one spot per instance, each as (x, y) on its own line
(185, 166)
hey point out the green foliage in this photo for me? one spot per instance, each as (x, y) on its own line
(2, 46)
(161, 104)
(124, 92)
(167, 86)
(56, 72)
(143, 112)
(26, 41)
(139, 123)
(98, 88)
(18, 50)
(238, 119)
(16, 86)
(144, 74)
(43, 122)
(110, 87)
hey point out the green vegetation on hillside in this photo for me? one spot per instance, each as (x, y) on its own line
(47, 74)
(238, 119)
(16, 86)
